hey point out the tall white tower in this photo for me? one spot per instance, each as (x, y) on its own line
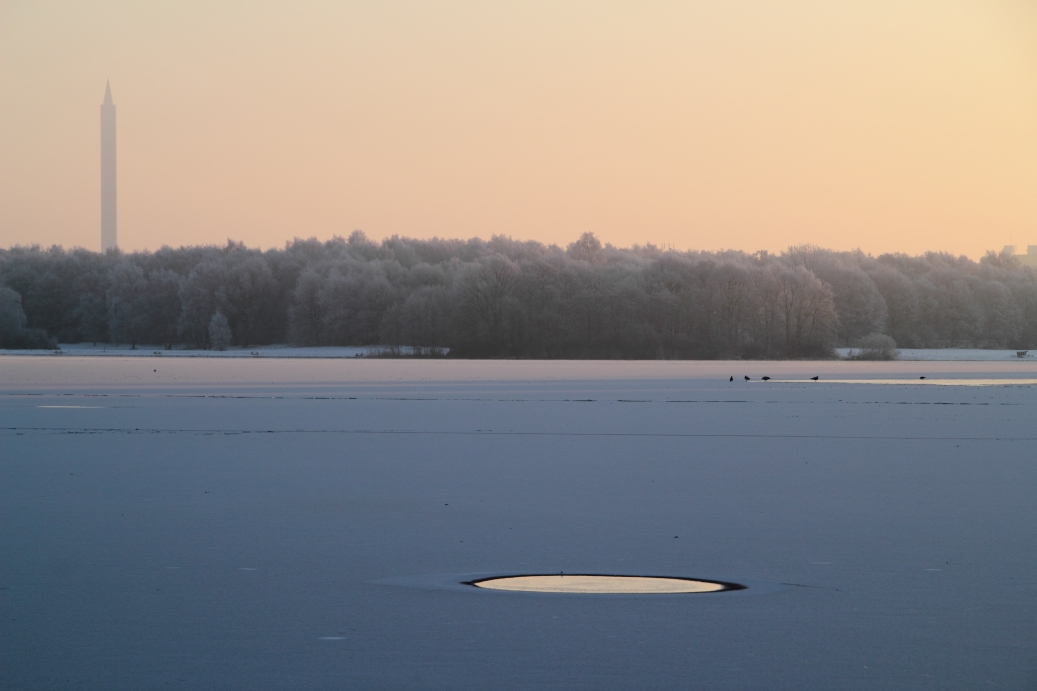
(108, 195)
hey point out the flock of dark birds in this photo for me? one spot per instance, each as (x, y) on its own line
(768, 378)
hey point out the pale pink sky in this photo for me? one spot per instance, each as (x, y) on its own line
(885, 125)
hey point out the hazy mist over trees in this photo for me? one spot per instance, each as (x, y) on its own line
(508, 298)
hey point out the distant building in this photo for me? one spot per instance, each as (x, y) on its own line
(108, 193)
(1028, 259)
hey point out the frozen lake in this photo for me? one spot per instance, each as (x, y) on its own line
(305, 524)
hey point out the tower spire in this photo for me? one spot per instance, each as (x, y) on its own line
(109, 209)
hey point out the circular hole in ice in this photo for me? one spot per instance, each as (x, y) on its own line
(598, 584)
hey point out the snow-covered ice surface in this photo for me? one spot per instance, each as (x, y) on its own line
(207, 523)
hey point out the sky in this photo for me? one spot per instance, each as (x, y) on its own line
(889, 126)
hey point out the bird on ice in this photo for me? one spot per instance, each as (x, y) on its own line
(813, 379)
(732, 378)
(765, 378)
(747, 378)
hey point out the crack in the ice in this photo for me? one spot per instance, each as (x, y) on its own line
(691, 435)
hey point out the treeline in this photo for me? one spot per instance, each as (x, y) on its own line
(507, 298)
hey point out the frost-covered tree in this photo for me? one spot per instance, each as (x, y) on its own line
(13, 331)
(510, 298)
(127, 302)
(219, 332)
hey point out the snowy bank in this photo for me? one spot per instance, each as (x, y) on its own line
(269, 351)
(335, 352)
(953, 354)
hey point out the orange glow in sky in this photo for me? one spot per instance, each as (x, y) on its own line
(885, 125)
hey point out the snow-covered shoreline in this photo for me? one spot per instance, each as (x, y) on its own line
(339, 352)
(954, 354)
(268, 351)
